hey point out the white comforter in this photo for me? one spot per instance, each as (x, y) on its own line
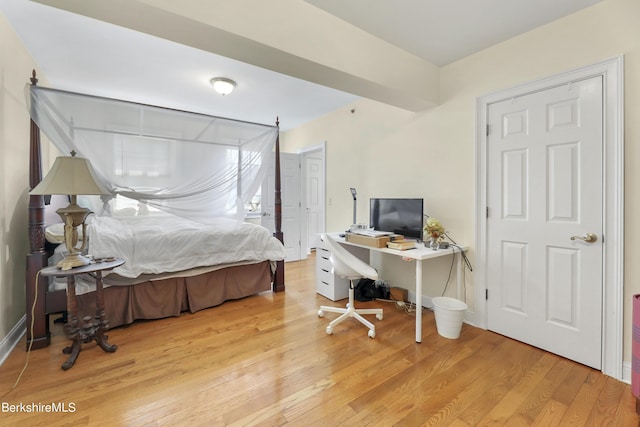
(161, 243)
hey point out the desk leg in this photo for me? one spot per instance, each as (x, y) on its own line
(459, 277)
(418, 300)
(71, 327)
(101, 318)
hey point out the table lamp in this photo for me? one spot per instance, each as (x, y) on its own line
(71, 176)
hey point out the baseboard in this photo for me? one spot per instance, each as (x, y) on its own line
(426, 300)
(12, 339)
(626, 372)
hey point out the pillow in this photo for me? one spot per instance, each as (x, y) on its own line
(126, 212)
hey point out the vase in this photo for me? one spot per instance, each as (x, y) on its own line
(433, 243)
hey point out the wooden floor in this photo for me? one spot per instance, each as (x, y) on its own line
(266, 360)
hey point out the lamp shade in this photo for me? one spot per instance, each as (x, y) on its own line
(72, 176)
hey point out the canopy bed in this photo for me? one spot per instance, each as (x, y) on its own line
(177, 186)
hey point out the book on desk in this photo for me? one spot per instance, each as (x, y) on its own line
(402, 244)
(369, 232)
(373, 241)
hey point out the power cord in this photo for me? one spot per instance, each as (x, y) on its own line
(407, 307)
(464, 256)
(26, 363)
(453, 259)
(467, 263)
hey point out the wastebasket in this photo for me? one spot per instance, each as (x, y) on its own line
(449, 314)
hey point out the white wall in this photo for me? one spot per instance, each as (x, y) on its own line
(16, 65)
(15, 70)
(432, 154)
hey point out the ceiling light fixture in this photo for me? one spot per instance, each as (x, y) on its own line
(223, 85)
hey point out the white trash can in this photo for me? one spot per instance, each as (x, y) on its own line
(449, 316)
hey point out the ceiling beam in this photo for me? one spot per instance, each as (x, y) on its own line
(181, 29)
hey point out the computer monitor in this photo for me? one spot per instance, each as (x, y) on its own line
(400, 216)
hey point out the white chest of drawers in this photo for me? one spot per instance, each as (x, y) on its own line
(327, 284)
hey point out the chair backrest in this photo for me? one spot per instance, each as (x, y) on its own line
(345, 264)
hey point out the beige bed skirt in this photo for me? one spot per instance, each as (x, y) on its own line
(169, 297)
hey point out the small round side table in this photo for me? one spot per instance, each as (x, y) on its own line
(90, 329)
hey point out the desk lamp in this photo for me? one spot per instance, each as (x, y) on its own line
(71, 176)
(355, 201)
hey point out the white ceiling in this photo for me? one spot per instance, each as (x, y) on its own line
(443, 31)
(82, 54)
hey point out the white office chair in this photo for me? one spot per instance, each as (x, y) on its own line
(346, 265)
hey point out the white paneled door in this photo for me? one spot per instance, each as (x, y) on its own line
(314, 198)
(290, 195)
(544, 219)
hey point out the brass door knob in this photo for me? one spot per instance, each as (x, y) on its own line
(589, 238)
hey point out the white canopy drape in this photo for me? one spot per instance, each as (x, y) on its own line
(192, 165)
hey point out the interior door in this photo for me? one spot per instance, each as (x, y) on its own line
(314, 197)
(545, 175)
(290, 194)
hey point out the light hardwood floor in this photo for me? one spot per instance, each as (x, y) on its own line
(266, 360)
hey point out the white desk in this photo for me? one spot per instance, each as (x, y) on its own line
(419, 254)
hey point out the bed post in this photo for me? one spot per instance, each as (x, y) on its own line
(278, 281)
(37, 257)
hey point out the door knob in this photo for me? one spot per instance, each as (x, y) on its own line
(266, 214)
(589, 238)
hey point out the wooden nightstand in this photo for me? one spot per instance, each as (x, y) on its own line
(91, 329)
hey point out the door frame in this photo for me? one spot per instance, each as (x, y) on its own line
(304, 226)
(613, 196)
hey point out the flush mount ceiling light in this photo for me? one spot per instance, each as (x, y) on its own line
(223, 85)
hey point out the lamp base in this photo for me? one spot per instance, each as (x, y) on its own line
(73, 260)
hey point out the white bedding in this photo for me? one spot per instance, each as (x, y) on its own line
(161, 243)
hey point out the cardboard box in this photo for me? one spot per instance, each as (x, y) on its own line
(376, 242)
(399, 294)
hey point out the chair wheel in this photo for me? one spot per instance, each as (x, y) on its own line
(372, 333)
(320, 313)
(379, 316)
(329, 330)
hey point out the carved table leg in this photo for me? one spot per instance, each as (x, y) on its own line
(71, 328)
(101, 318)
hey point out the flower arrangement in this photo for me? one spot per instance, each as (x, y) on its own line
(433, 230)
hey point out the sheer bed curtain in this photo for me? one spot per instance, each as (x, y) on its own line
(192, 165)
